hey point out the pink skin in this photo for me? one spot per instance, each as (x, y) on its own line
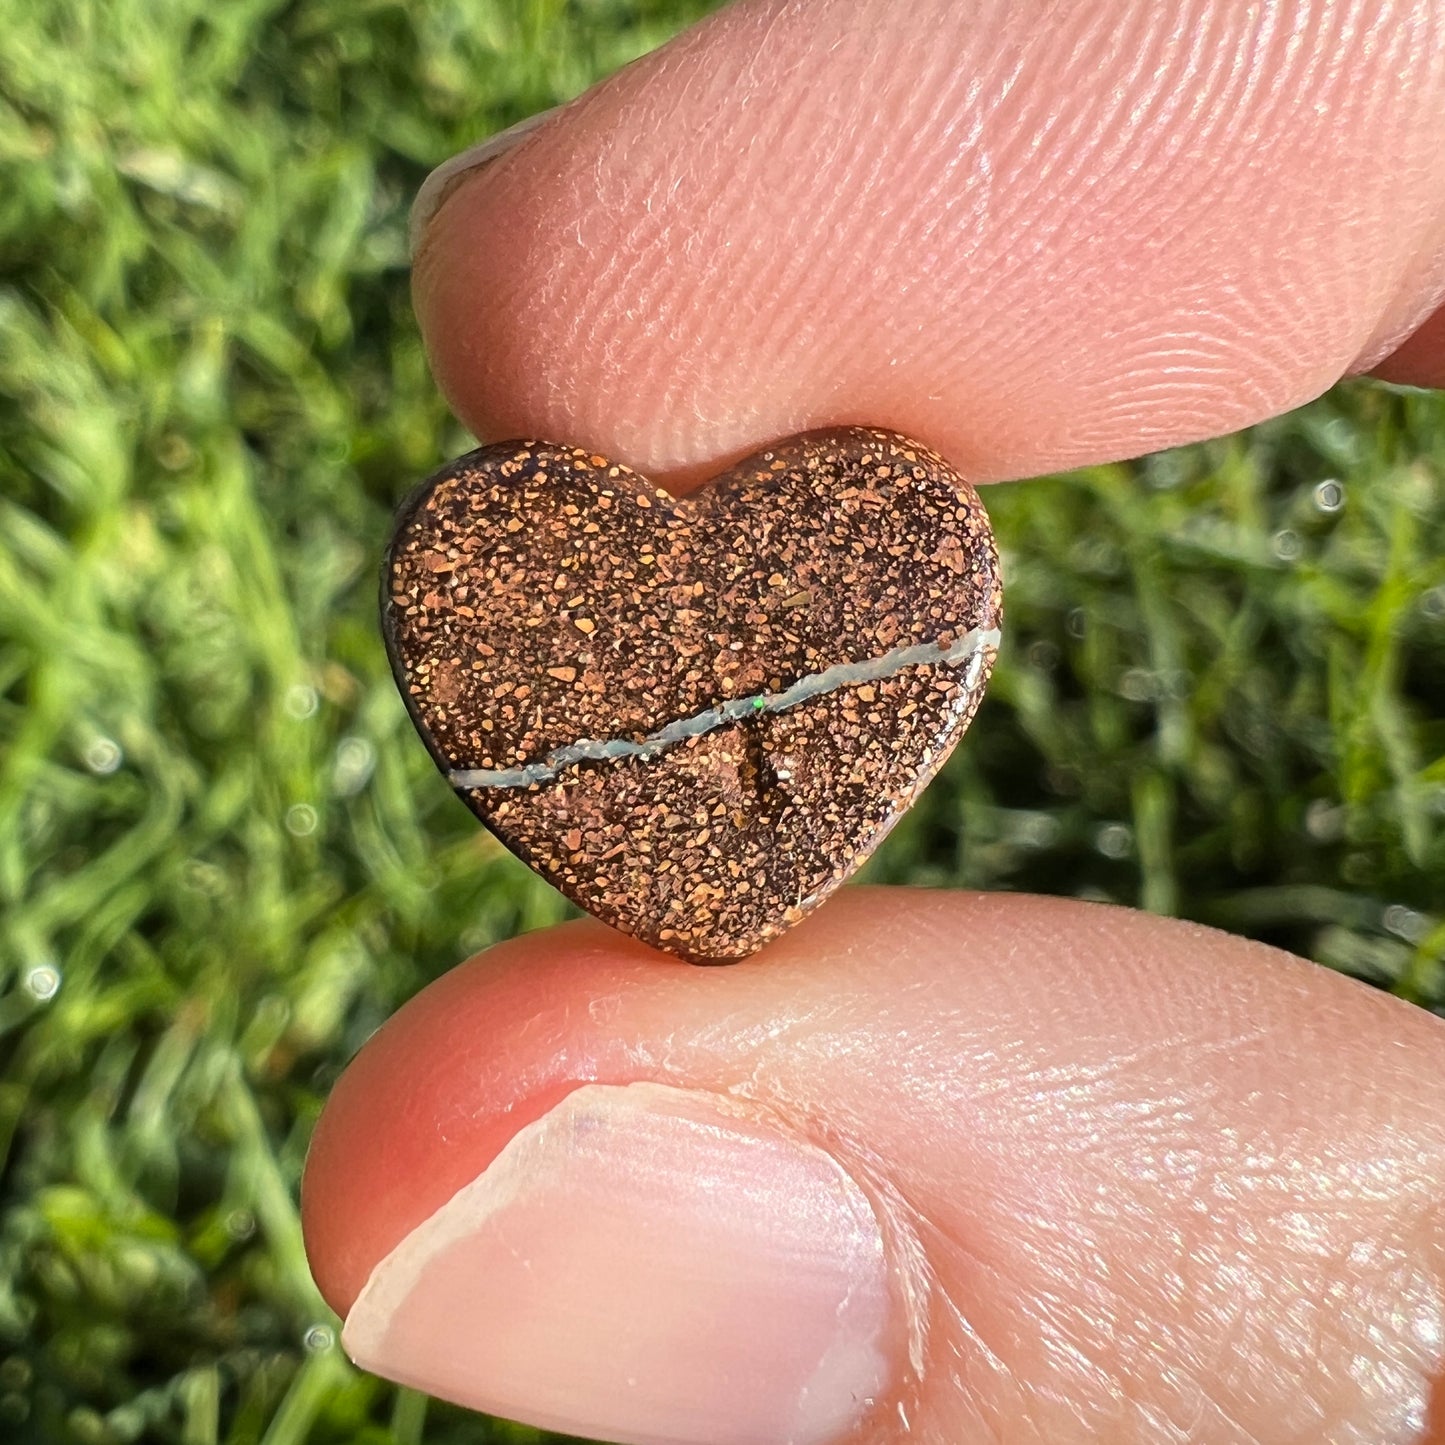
(1031, 243)
(1158, 1184)
(1156, 1172)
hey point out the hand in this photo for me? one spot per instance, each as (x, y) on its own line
(938, 1166)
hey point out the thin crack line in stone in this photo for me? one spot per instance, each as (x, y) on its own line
(967, 648)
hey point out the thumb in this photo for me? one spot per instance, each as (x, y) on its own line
(1032, 237)
(935, 1166)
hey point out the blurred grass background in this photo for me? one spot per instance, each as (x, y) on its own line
(224, 858)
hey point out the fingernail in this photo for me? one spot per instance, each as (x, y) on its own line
(445, 179)
(646, 1265)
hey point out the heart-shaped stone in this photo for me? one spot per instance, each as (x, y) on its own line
(697, 716)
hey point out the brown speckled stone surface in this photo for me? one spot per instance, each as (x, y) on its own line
(542, 604)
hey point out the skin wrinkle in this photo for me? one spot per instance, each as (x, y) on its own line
(793, 338)
(1370, 287)
(915, 1282)
(689, 387)
(1406, 296)
(1074, 1350)
(1301, 45)
(873, 224)
(1139, 353)
(1024, 197)
(1309, 1348)
(922, 1294)
(956, 261)
(1014, 1403)
(1219, 112)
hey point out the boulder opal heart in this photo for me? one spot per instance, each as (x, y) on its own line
(696, 716)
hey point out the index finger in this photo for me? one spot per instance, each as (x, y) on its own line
(1033, 238)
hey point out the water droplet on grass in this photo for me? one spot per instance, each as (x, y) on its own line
(301, 820)
(302, 701)
(103, 756)
(355, 762)
(240, 1224)
(202, 877)
(1405, 923)
(1044, 655)
(1139, 684)
(1038, 830)
(1324, 821)
(1287, 545)
(43, 982)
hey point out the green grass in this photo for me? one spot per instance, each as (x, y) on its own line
(224, 857)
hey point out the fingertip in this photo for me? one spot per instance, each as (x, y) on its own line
(1032, 247)
(494, 1044)
(653, 1249)
(437, 1091)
